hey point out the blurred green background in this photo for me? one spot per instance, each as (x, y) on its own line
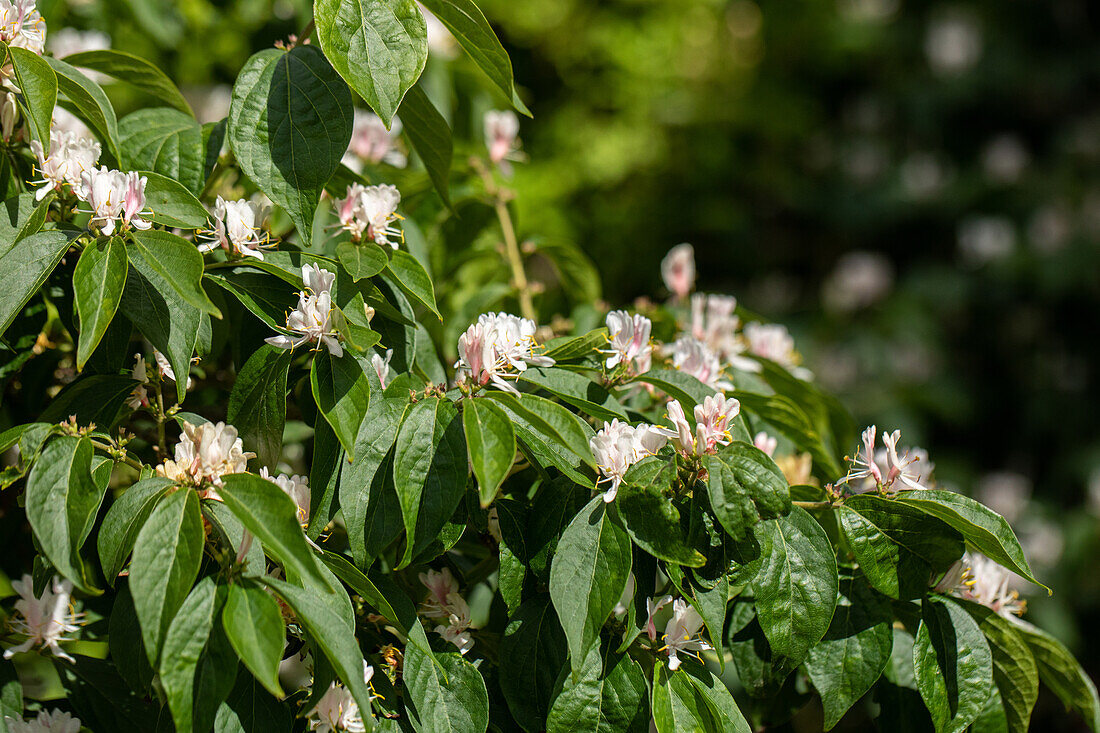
(910, 186)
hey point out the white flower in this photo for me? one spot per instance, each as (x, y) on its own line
(205, 453)
(312, 320)
(165, 368)
(860, 279)
(499, 345)
(44, 620)
(678, 270)
(953, 43)
(22, 26)
(457, 634)
(236, 229)
(653, 607)
(714, 324)
(372, 142)
(618, 446)
(765, 442)
(977, 578)
(501, 138)
(773, 341)
(445, 602)
(69, 41)
(712, 421)
(9, 115)
(296, 487)
(337, 711)
(140, 396)
(681, 633)
(54, 721)
(629, 339)
(871, 470)
(382, 366)
(70, 156)
(369, 211)
(692, 356)
(627, 598)
(115, 197)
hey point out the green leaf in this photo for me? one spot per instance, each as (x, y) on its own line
(378, 46)
(537, 418)
(685, 388)
(342, 393)
(410, 276)
(654, 524)
(981, 527)
(166, 561)
(270, 514)
(172, 205)
(793, 422)
(265, 296)
(124, 520)
(952, 664)
(468, 25)
(62, 502)
(255, 628)
(796, 584)
(430, 136)
(850, 657)
(289, 125)
(257, 403)
(98, 280)
(11, 696)
(609, 696)
(133, 70)
(447, 694)
(166, 141)
(26, 265)
(897, 546)
(745, 486)
(692, 699)
(532, 653)
(491, 443)
(124, 642)
(176, 261)
(361, 259)
(567, 349)
(324, 474)
(1014, 671)
(89, 103)
(577, 390)
(429, 471)
(38, 86)
(95, 398)
(22, 216)
(1059, 671)
(589, 574)
(250, 708)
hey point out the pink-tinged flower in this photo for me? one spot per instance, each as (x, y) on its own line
(692, 356)
(653, 607)
(236, 229)
(22, 26)
(870, 469)
(9, 115)
(765, 442)
(140, 396)
(382, 366)
(712, 421)
(456, 632)
(204, 454)
(165, 368)
(44, 620)
(297, 488)
(681, 633)
(441, 586)
(498, 347)
(629, 340)
(368, 211)
(502, 138)
(373, 143)
(977, 578)
(54, 721)
(337, 711)
(69, 157)
(678, 270)
(312, 320)
(116, 198)
(773, 341)
(618, 446)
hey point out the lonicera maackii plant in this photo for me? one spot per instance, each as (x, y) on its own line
(271, 488)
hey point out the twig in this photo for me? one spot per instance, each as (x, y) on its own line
(511, 246)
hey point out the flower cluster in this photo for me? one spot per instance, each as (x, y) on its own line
(445, 603)
(628, 337)
(977, 578)
(236, 229)
(140, 396)
(712, 422)
(368, 211)
(117, 199)
(373, 143)
(681, 631)
(773, 341)
(70, 156)
(204, 454)
(502, 139)
(879, 470)
(618, 446)
(337, 711)
(45, 619)
(54, 721)
(22, 26)
(499, 345)
(312, 319)
(691, 356)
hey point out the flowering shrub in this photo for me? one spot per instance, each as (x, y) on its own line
(289, 513)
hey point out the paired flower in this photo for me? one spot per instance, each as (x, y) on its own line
(871, 470)
(312, 320)
(499, 345)
(502, 139)
(54, 721)
(369, 211)
(692, 356)
(678, 270)
(70, 156)
(681, 631)
(297, 488)
(337, 711)
(116, 198)
(204, 454)
(977, 578)
(44, 620)
(713, 322)
(629, 339)
(235, 228)
(140, 396)
(712, 421)
(382, 366)
(373, 143)
(618, 446)
(444, 602)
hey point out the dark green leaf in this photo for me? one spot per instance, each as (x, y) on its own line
(685, 388)
(250, 708)
(745, 486)
(1014, 670)
(172, 205)
(793, 422)
(265, 296)
(361, 259)
(410, 276)
(1059, 671)
(430, 136)
(692, 699)
(532, 653)
(89, 103)
(166, 141)
(98, 280)
(38, 87)
(567, 349)
(342, 393)
(609, 696)
(654, 523)
(133, 70)
(447, 693)
(124, 520)
(26, 265)
(577, 390)
(255, 628)
(257, 403)
(491, 443)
